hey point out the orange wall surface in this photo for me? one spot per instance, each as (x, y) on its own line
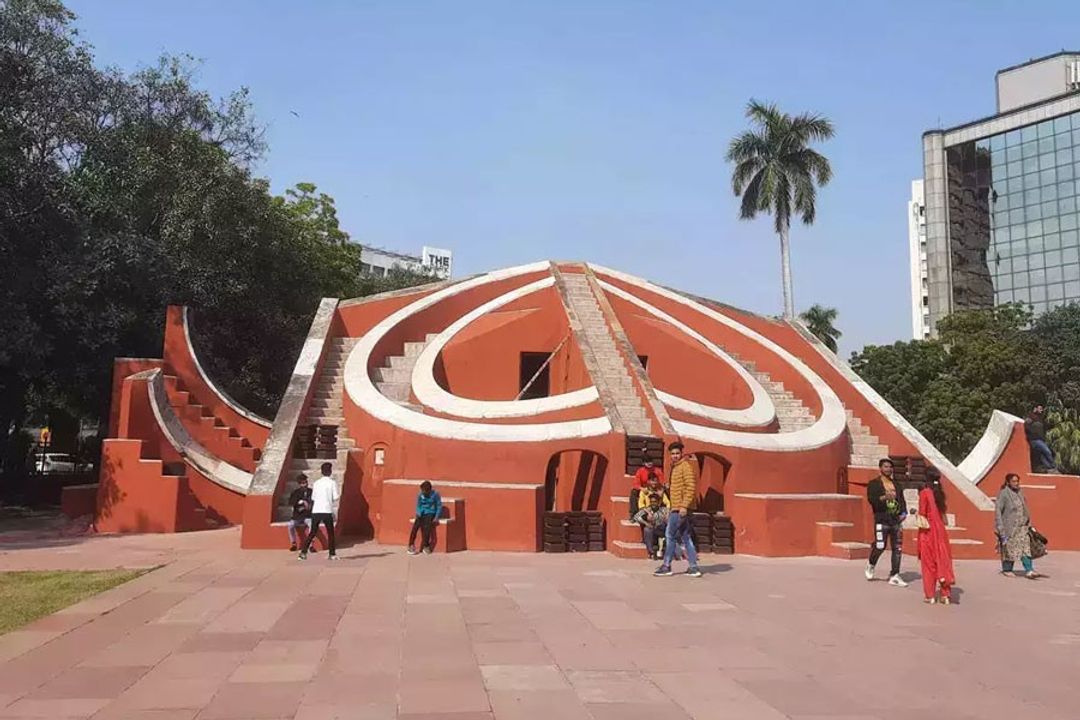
(495, 518)
(680, 365)
(133, 496)
(785, 527)
(484, 360)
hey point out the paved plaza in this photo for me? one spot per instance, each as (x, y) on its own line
(217, 632)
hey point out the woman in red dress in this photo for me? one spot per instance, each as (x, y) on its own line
(935, 553)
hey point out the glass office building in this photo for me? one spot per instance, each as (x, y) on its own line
(1002, 221)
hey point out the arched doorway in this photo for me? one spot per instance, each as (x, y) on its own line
(574, 481)
(712, 474)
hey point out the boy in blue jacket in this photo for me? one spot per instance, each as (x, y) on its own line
(428, 509)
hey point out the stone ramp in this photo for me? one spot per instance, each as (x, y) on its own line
(608, 368)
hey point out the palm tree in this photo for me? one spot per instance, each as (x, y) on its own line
(776, 172)
(819, 320)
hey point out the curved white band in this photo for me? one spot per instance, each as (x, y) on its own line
(435, 397)
(761, 410)
(826, 429)
(362, 391)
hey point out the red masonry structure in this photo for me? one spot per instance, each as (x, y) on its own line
(531, 394)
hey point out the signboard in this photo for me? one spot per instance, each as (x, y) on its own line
(438, 261)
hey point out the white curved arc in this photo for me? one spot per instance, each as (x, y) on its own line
(215, 469)
(761, 410)
(431, 394)
(990, 447)
(362, 390)
(240, 410)
(830, 426)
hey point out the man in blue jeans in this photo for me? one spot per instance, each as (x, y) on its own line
(683, 495)
(1035, 432)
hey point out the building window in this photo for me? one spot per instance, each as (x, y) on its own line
(1013, 214)
(530, 364)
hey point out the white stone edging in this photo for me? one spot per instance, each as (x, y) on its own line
(760, 412)
(235, 406)
(830, 426)
(362, 391)
(991, 445)
(924, 446)
(431, 394)
(217, 470)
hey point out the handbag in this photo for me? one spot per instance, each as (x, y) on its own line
(921, 523)
(1038, 543)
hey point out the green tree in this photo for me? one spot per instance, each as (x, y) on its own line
(121, 194)
(819, 320)
(776, 172)
(983, 360)
(1063, 436)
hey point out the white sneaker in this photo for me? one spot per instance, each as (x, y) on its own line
(897, 581)
(869, 572)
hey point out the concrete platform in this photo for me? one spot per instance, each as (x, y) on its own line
(222, 633)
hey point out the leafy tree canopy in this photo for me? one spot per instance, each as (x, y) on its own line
(982, 360)
(123, 193)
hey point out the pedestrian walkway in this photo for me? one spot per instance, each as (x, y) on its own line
(222, 633)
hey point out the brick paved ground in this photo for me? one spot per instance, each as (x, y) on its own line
(222, 633)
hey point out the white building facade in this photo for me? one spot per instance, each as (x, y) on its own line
(436, 262)
(920, 294)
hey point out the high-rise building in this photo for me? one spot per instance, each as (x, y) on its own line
(1002, 222)
(920, 297)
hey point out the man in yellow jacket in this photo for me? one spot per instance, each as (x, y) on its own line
(683, 494)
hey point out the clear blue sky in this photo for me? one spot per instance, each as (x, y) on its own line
(512, 131)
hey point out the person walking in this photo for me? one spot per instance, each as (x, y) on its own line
(889, 508)
(428, 509)
(683, 497)
(1012, 523)
(935, 552)
(324, 498)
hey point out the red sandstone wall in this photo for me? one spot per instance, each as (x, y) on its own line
(483, 360)
(133, 496)
(495, 518)
(122, 368)
(678, 363)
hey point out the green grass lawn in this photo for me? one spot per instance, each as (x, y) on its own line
(27, 596)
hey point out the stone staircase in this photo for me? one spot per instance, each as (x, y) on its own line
(614, 375)
(394, 378)
(866, 450)
(325, 409)
(208, 430)
(791, 414)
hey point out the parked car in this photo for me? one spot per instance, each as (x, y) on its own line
(55, 463)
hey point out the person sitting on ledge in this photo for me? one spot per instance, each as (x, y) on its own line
(642, 479)
(428, 509)
(652, 516)
(1035, 432)
(300, 500)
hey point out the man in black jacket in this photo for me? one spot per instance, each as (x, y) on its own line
(300, 500)
(886, 500)
(1035, 432)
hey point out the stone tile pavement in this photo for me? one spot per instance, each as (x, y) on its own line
(222, 633)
